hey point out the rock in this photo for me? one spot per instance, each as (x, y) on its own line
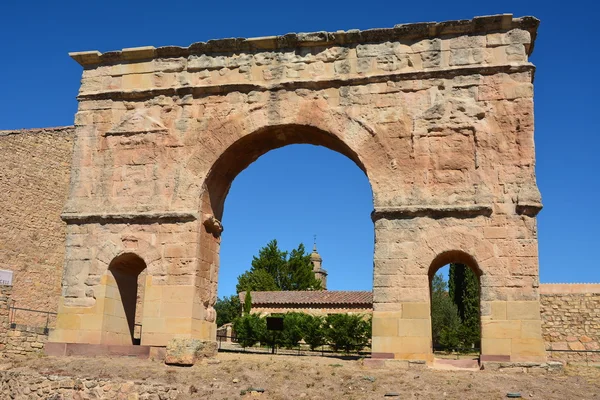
(188, 351)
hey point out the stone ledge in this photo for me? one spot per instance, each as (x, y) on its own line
(530, 209)
(37, 131)
(569, 288)
(521, 366)
(224, 89)
(142, 218)
(413, 31)
(94, 350)
(432, 211)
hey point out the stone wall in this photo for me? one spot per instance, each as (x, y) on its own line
(33, 386)
(571, 320)
(22, 339)
(35, 167)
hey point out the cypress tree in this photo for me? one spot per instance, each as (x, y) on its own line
(464, 291)
(247, 303)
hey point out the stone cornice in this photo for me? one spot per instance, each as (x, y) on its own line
(432, 211)
(223, 89)
(129, 218)
(569, 288)
(528, 209)
(36, 131)
(415, 31)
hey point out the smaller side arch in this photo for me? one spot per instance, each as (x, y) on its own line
(477, 252)
(442, 316)
(121, 298)
(453, 256)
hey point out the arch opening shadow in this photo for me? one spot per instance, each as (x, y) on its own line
(121, 299)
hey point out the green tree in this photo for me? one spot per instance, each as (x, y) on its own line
(247, 303)
(228, 309)
(271, 260)
(464, 292)
(293, 324)
(250, 329)
(256, 280)
(445, 322)
(313, 331)
(348, 332)
(300, 271)
(273, 270)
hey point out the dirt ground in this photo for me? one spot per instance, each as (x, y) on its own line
(310, 377)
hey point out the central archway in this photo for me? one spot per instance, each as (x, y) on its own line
(249, 148)
(237, 157)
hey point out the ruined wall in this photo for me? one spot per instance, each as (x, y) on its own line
(24, 385)
(22, 339)
(35, 167)
(571, 320)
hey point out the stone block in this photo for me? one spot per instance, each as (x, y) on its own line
(152, 309)
(416, 311)
(500, 329)
(154, 325)
(188, 351)
(495, 232)
(385, 326)
(522, 310)
(417, 344)
(498, 310)
(178, 294)
(531, 329)
(68, 321)
(576, 346)
(414, 327)
(92, 322)
(155, 338)
(386, 344)
(181, 325)
(176, 309)
(527, 349)
(495, 346)
(204, 330)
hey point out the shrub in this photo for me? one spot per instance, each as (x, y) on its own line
(347, 331)
(250, 329)
(292, 333)
(312, 330)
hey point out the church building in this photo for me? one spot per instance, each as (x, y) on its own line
(315, 302)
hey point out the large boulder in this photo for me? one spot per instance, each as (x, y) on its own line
(188, 351)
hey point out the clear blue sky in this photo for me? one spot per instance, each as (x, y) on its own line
(295, 192)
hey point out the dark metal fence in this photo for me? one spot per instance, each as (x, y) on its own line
(324, 350)
(44, 318)
(458, 351)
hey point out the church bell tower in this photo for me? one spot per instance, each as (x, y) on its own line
(320, 273)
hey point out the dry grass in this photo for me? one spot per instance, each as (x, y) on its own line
(289, 377)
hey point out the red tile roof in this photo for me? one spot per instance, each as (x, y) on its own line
(323, 297)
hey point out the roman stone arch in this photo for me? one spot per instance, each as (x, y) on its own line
(439, 116)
